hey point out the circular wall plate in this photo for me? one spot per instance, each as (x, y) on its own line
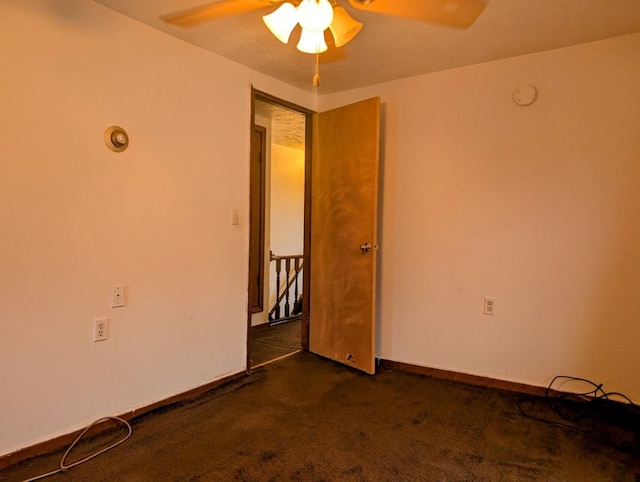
(525, 95)
(116, 138)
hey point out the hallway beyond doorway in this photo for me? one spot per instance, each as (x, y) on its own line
(272, 342)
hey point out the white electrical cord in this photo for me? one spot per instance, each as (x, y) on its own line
(64, 467)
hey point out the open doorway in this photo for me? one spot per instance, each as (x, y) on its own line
(339, 233)
(277, 231)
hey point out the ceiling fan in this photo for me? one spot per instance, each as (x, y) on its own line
(316, 16)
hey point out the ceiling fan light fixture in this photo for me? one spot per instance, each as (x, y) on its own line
(343, 27)
(282, 21)
(312, 42)
(315, 15)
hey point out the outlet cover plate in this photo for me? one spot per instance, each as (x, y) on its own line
(489, 306)
(100, 329)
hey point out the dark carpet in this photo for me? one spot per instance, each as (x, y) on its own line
(271, 342)
(308, 419)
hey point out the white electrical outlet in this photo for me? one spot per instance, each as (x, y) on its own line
(100, 329)
(489, 306)
(117, 296)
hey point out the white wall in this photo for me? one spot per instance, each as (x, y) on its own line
(286, 231)
(536, 206)
(287, 200)
(76, 218)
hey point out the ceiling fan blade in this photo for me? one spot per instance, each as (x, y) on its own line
(213, 11)
(456, 13)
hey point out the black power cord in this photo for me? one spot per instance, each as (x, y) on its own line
(572, 408)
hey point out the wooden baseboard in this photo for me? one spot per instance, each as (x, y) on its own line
(463, 378)
(63, 441)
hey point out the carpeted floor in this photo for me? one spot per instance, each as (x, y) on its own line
(308, 419)
(271, 342)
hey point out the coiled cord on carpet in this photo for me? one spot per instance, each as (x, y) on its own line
(571, 408)
(63, 465)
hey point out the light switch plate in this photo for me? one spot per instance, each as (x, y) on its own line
(235, 217)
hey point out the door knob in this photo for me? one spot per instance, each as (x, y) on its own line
(365, 248)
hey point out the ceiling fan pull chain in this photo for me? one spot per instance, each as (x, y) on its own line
(316, 76)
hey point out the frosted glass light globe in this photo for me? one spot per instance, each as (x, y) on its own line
(315, 15)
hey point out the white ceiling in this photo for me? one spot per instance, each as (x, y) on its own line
(287, 125)
(389, 48)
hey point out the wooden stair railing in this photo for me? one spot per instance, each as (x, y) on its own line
(282, 309)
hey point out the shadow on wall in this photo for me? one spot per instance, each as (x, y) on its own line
(611, 345)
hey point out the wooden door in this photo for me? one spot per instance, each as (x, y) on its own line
(344, 201)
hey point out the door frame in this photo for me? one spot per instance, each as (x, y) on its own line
(257, 179)
(308, 113)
